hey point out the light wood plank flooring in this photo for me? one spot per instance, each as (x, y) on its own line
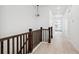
(58, 46)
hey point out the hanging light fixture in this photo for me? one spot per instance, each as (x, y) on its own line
(37, 11)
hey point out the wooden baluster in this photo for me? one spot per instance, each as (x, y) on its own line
(13, 46)
(38, 36)
(8, 46)
(23, 45)
(2, 47)
(44, 35)
(41, 33)
(49, 40)
(17, 45)
(20, 43)
(35, 38)
(26, 44)
(51, 33)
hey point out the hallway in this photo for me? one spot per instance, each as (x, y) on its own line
(63, 46)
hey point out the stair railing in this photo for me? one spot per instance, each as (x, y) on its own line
(24, 43)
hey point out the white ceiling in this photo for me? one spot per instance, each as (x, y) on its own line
(57, 9)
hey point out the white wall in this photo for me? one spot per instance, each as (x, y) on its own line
(16, 19)
(74, 26)
(43, 19)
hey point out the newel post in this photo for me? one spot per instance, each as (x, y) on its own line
(41, 33)
(49, 40)
(51, 32)
(30, 42)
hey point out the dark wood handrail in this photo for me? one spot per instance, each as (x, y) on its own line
(5, 38)
(44, 29)
(36, 30)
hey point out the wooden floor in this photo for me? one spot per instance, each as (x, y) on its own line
(59, 45)
(63, 46)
